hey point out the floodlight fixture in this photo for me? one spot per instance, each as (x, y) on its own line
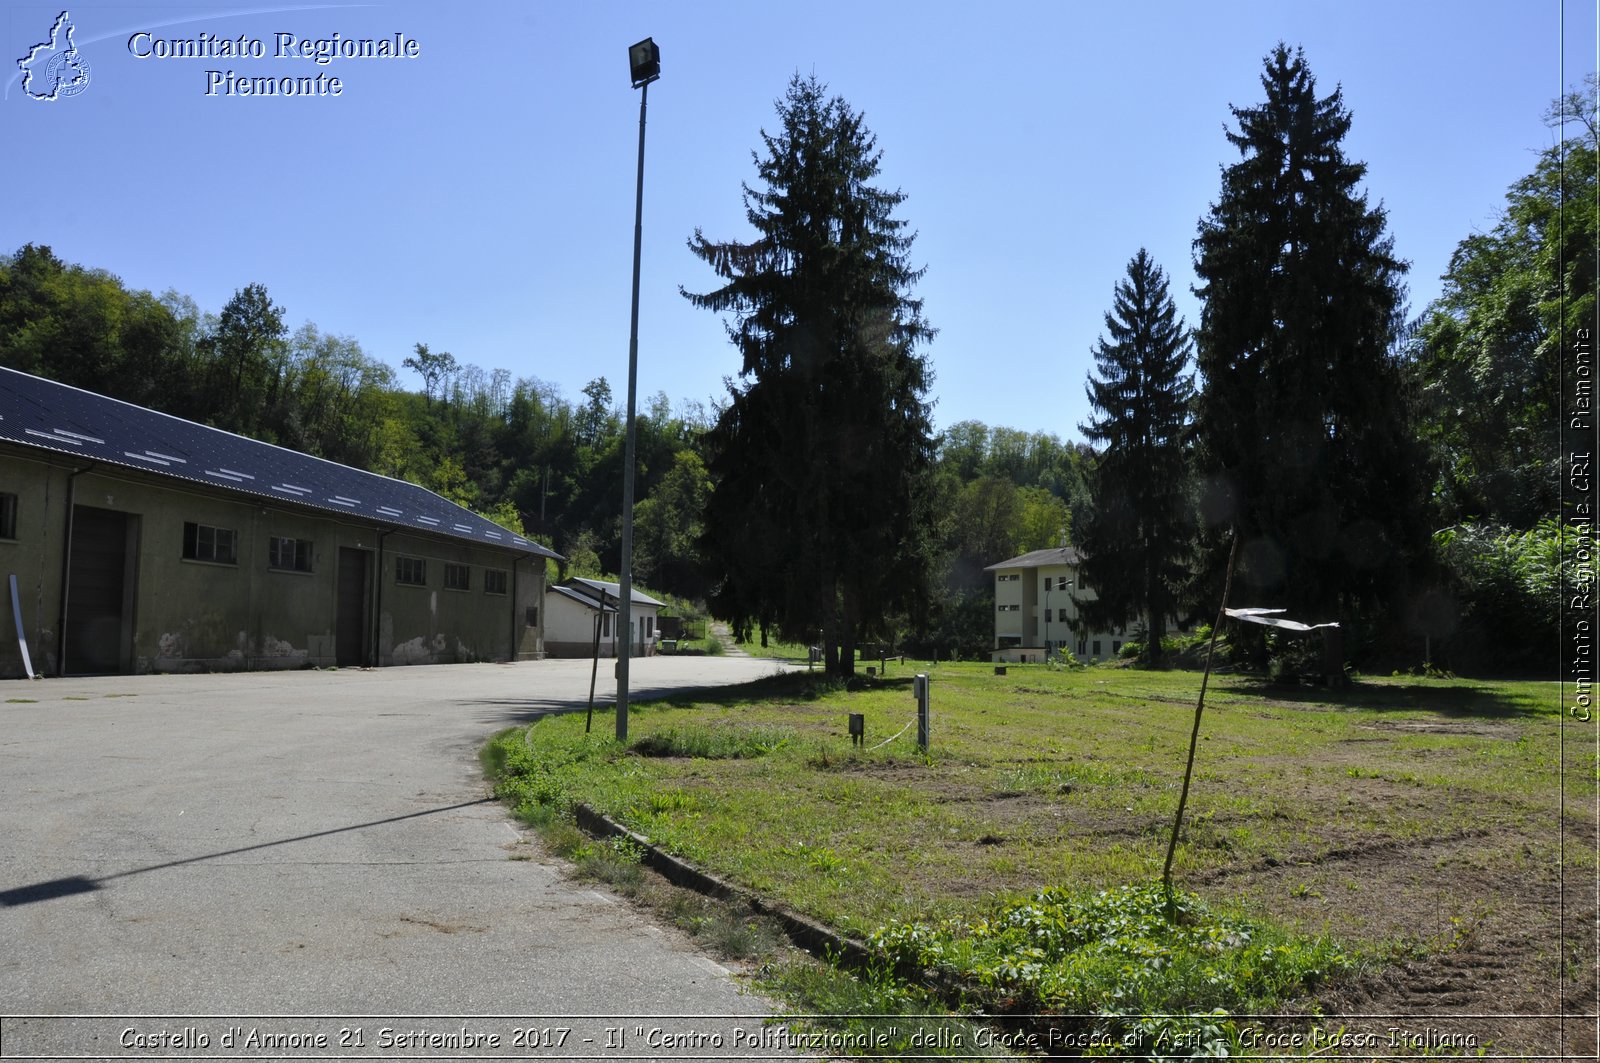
(644, 62)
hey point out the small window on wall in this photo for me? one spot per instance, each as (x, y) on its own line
(202, 542)
(289, 555)
(8, 515)
(412, 571)
(457, 577)
(494, 581)
(1097, 647)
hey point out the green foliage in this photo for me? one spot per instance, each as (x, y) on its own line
(871, 1013)
(817, 519)
(1125, 955)
(1305, 443)
(1136, 540)
(668, 526)
(248, 358)
(1487, 350)
(436, 370)
(712, 743)
(1501, 612)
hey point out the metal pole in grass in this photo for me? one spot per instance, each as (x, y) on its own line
(594, 670)
(1194, 735)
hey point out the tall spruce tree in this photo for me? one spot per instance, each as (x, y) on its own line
(821, 463)
(1136, 538)
(1304, 436)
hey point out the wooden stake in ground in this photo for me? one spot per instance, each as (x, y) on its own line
(1194, 735)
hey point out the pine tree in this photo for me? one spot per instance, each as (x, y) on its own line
(1303, 430)
(1137, 535)
(821, 462)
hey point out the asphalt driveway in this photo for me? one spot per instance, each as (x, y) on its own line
(317, 844)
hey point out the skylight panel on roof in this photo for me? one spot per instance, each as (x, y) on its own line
(53, 437)
(431, 522)
(223, 476)
(348, 503)
(235, 472)
(167, 457)
(388, 512)
(462, 528)
(291, 489)
(79, 436)
(146, 457)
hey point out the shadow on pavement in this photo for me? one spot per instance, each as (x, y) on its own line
(75, 884)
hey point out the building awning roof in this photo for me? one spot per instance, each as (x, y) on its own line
(1056, 555)
(583, 599)
(91, 428)
(593, 587)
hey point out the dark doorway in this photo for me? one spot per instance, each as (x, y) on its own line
(350, 632)
(101, 580)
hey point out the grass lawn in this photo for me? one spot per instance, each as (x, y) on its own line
(1425, 825)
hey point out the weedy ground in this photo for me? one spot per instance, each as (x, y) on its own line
(1423, 847)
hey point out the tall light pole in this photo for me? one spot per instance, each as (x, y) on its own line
(644, 64)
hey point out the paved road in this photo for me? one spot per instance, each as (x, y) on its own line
(309, 843)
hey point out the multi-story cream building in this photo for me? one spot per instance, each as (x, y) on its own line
(1036, 600)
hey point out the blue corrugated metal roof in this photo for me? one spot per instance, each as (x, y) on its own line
(35, 412)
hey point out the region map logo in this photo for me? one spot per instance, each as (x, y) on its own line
(54, 69)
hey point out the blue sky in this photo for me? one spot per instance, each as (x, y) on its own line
(479, 197)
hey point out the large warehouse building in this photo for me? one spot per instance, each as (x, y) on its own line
(139, 542)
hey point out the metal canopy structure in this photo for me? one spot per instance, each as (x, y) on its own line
(91, 428)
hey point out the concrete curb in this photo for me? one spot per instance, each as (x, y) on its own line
(815, 938)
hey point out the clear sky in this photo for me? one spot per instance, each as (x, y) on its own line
(478, 197)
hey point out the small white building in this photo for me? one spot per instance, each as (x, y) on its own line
(1036, 600)
(570, 609)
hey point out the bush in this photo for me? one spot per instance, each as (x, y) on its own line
(1123, 955)
(1500, 610)
(727, 743)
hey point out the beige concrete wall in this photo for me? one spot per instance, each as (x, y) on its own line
(201, 616)
(35, 560)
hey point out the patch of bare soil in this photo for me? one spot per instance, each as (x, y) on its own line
(1492, 949)
(1486, 944)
